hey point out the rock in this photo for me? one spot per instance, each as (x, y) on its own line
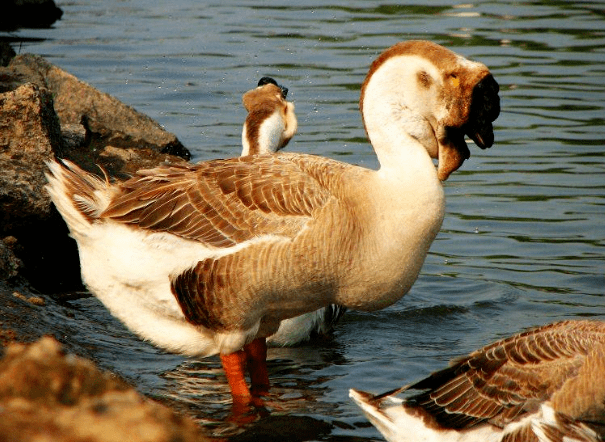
(105, 120)
(9, 263)
(28, 14)
(46, 394)
(45, 113)
(29, 135)
(6, 53)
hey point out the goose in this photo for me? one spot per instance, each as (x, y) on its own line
(208, 258)
(545, 384)
(271, 122)
(270, 125)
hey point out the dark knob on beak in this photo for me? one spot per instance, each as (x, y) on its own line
(268, 80)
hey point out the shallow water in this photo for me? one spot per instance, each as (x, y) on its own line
(523, 240)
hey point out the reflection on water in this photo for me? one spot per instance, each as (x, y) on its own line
(523, 240)
(200, 389)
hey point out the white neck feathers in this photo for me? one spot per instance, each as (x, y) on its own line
(267, 139)
(397, 116)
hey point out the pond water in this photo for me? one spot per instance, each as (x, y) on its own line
(523, 241)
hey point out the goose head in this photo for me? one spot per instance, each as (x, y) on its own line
(420, 93)
(271, 121)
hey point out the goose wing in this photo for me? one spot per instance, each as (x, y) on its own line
(225, 202)
(507, 378)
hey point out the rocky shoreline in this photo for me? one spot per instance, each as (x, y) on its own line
(45, 392)
(45, 113)
(49, 388)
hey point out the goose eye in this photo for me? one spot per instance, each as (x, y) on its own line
(454, 79)
(424, 79)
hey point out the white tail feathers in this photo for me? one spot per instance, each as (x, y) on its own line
(382, 421)
(79, 196)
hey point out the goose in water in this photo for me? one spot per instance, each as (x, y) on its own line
(269, 126)
(208, 258)
(544, 385)
(271, 122)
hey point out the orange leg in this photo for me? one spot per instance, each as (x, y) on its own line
(234, 365)
(256, 355)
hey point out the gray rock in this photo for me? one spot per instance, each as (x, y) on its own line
(106, 120)
(46, 394)
(9, 263)
(6, 53)
(28, 14)
(45, 113)
(29, 135)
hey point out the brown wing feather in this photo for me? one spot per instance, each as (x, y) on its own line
(507, 378)
(522, 434)
(224, 202)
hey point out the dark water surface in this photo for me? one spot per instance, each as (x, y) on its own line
(523, 241)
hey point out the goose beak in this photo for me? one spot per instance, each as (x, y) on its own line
(269, 80)
(484, 109)
(284, 91)
(452, 153)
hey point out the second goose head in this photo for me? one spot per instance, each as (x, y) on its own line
(271, 121)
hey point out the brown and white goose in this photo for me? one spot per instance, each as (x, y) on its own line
(271, 122)
(270, 125)
(209, 258)
(546, 385)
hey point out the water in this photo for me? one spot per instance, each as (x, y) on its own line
(523, 240)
